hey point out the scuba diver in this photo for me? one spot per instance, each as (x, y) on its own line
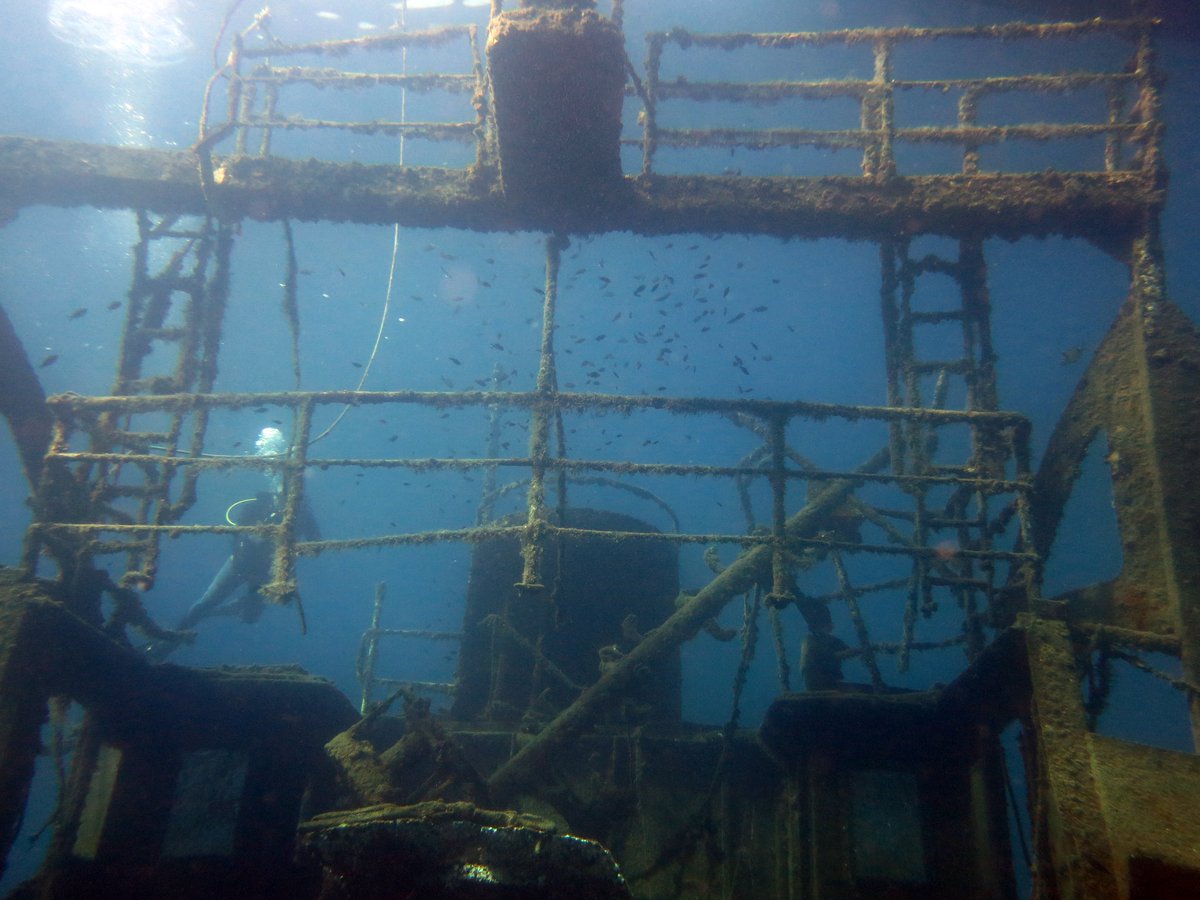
(250, 562)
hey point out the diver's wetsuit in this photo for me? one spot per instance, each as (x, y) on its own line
(249, 564)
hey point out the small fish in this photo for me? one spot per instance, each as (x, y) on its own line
(116, 304)
(341, 271)
(759, 309)
(49, 361)
(455, 361)
(736, 318)
(497, 346)
(1072, 355)
(356, 365)
(78, 313)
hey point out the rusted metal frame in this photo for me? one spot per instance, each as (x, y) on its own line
(1174, 521)
(964, 587)
(43, 503)
(964, 584)
(623, 403)
(968, 117)
(915, 447)
(243, 91)
(207, 138)
(916, 456)
(1114, 102)
(1148, 641)
(433, 131)
(1149, 125)
(248, 95)
(208, 326)
(919, 593)
(339, 79)
(532, 541)
(1180, 684)
(874, 131)
(862, 590)
(541, 660)
(762, 92)
(992, 485)
(370, 649)
(987, 446)
(1073, 848)
(1130, 27)
(480, 534)
(479, 100)
(154, 502)
(650, 131)
(782, 669)
(889, 252)
(971, 275)
(431, 37)
(269, 106)
(765, 92)
(423, 634)
(781, 592)
(883, 161)
(639, 492)
(490, 494)
(436, 687)
(752, 463)
(892, 647)
(850, 598)
(282, 588)
(736, 579)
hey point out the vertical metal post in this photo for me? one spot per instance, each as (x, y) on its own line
(649, 120)
(371, 651)
(539, 431)
(968, 117)
(283, 586)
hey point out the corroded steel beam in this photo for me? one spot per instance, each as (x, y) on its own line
(1102, 206)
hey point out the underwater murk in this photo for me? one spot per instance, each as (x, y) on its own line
(655, 449)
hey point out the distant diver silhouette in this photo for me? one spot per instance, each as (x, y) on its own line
(249, 564)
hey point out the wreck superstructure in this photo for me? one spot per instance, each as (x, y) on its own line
(849, 789)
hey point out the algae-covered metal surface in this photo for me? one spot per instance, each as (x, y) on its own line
(562, 765)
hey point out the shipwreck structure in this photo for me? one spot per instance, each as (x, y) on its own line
(563, 766)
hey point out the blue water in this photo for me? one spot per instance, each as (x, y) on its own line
(465, 305)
